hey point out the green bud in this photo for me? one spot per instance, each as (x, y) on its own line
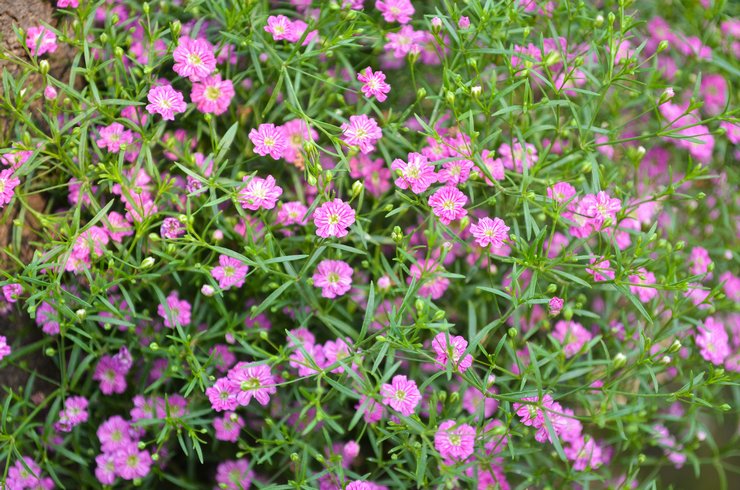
(438, 315)
(619, 360)
(357, 188)
(725, 407)
(680, 245)
(675, 346)
(118, 52)
(567, 313)
(419, 305)
(512, 332)
(50, 351)
(662, 46)
(421, 93)
(81, 314)
(147, 263)
(294, 457)
(44, 67)
(175, 28)
(599, 21)
(454, 397)
(641, 458)
(450, 97)
(552, 289)
(154, 346)
(145, 8)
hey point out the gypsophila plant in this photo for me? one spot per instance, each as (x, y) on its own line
(372, 244)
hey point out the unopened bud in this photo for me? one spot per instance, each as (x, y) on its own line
(207, 290)
(357, 188)
(476, 91)
(44, 67)
(147, 262)
(619, 360)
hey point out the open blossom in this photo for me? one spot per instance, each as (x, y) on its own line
(361, 131)
(494, 165)
(516, 157)
(8, 183)
(418, 174)
(131, 463)
(374, 84)
(572, 335)
(234, 475)
(600, 269)
(700, 261)
(113, 136)
(334, 277)
(73, 414)
(395, 10)
(259, 193)
(230, 272)
(176, 311)
(292, 213)
(451, 348)
(4, 347)
(40, 40)
(405, 41)
(212, 95)
(165, 101)
(172, 228)
(490, 232)
(228, 427)
(252, 381)
(194, 59)
(455, 442)
(713, 341)
(111, 372)
(114, 434)
(296, 133)
(333, 218)
(401, 394)
(269, 139)
(645, 293)
(561, 192)
(448, 203)
(455, 172)
(280, 27)
(222, 395)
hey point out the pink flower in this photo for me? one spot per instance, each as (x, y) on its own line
(333, 218)
(172, 228)
(212, 95)
(114, 434)
(418, 173)
(252, 381)
(335, 351)
(228, 427)
(699, 261)
(40, 40)
(222, 395)
(455, 442)
(132, 463)
(175, 312)
(401, 395)
(111, 374)
(473, 399)
(165, 101)
(113, 136)
(449, 348)
(5, 349)
(516, 156)
(296, 132)
(494, 166)
(361, 131)
(269, 139)
(455, 172)
(8, 183)
(193, 59)
(490, 232)
(395, 10)
(643, 292)
(561, 192)
(713, 341)
(374, 84)
(259, 193)
(555, 305)
(600, 269)
(230, 273)
(432, 285)
(234, 475)
(280, 27)
(12, 292)
(292, 213)
(372, 411)
(73, 414)
(68, 3)
(463, 23)
(585, 453)
(448, 204)
(405, 41)
(334, 277)
(572, 335)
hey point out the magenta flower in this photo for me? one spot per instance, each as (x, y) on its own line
(490, 232)
(374, 84)
(113, 136)
(333, 218)
(418, 173)
(555, 305)
(455, 172)
(114, 434)
(296, 133)
(212, 95)
(448, 204)
(361, 131)
(228, 427)
(111, 374)
(165, 101)
(449, 348)
(269, 139)
(600, 269)
(5, 349)
(252, 381)
(572, 335)
(193, 59)
(336, 350)
(171, 228)
(8, 183)
(395, 10)
(561, 192)
(292, 213)
(40, 40)
(713, 341)
(334, 277)
(494, 165)
(12, 291)
(222, 395)
(401, 395)
(234, 475)
(645, 293)
(175, 312)
(132, 463)
(405, 41)
(68, 3)
(73, 414)
(259, 193)
(699, 260)
(516, 156)
(432, 285)
(230, 273)
(454, 441)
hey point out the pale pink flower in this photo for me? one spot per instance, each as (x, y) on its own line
(401, 394)
(448, 203)
(5, 349)
(252, 381)
(600, 269)
(194, 59)
(418, 174)
(40, 40)
(114, 136)
(212, 95)
(334, 277)
(572, 336)
(333, 218)
(296, 133)
(555, 305)
(361, 131)
(494, 165)
(292, 213)
(269, 139)
(228, 426)
(645, 293)
(165, 101)
(374, 84)
(395, 10)
(8, 183)
(176, 311)
(222, 395)
(280, 27)
(713, 341)
(455, 442)
(451, 348)
(490, 232)
(259, 193)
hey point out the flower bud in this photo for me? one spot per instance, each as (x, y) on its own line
(667, 95)
(44, 67)
(175, 28)
(476, 91)
(147, 263)
(675, 346)
(619, 360)
(662, 46)
(450, 96)
(357, 188)
(207, 290)
(81, 314)
(512, 332)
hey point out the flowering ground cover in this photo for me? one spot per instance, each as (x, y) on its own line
(368, 244)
